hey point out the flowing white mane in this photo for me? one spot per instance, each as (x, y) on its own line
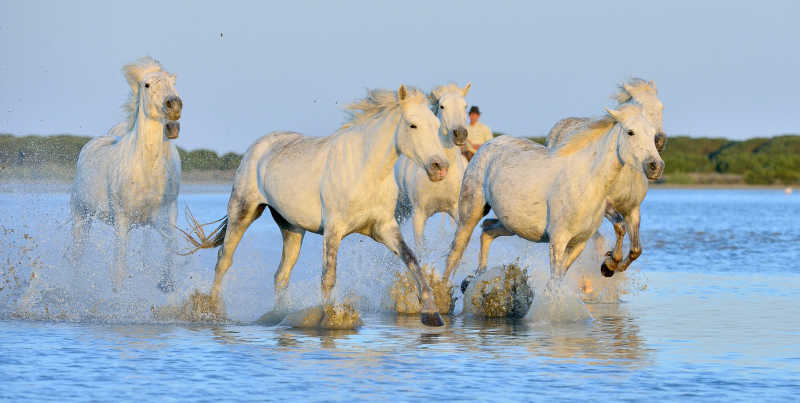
(579, 139)
(378, 101)
(626, 91)
(134, 72)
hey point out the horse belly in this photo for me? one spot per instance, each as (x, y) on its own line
(290, 184)
(523, 210)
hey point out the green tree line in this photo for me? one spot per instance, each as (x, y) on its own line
(62, 151)
(762, 160)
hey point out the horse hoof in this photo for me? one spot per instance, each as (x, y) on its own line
(432, 319)
(606, 271)
(465, 283)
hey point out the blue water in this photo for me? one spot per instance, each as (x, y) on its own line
(709, 312)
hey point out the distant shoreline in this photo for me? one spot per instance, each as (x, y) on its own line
(221, 181)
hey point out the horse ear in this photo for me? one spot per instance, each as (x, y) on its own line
(402, 93)
(173, 77)
(617, 115)
(465, 90)
(653, 84)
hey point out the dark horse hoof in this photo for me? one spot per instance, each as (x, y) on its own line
(606, 271)
(432, 319)
(465, 283)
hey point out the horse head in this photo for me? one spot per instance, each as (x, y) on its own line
(450, 106)
(417, 132)
(645, 94)
(156, 95)
(636, 144)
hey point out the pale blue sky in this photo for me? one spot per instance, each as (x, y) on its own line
(722, 68)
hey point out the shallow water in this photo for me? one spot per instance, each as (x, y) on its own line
(709, 312)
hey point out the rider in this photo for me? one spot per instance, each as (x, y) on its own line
(478, 133)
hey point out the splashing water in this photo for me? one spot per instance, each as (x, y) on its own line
(37, 282)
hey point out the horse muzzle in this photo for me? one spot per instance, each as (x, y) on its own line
(173, 105)
(171, 129)
(437, 169)
(460, 136)
(653, 168)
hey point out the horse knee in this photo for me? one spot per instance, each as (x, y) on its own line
(635, 252)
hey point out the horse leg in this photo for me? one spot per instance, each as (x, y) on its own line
(492, 228)
(122, 227)
(389, 235)
(471, 208)
(632, 222)
(166, 228)
(331, 239)
(292, 241)
(81, 225)
(241, 214)
(562, 254)
(609, 265)
(418, 219)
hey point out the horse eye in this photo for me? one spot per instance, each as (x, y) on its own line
(146, 85)
(630, 133)
(413, 126)
(442, 106)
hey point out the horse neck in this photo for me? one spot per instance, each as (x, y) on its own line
(380, 148)
(145, 142)
(604, 162)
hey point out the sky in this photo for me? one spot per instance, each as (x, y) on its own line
(722, 68)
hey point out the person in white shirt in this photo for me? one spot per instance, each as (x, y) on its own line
(478, 133)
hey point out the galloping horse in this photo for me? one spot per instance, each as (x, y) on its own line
(131, 176)
(424, 197)
(553, 195)
(630, 188)
(334, 186)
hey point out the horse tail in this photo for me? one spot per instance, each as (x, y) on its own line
(197, 237)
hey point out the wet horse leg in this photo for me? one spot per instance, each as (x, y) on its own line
(241, 214)
(632, 222)
(492, 228)
(471, 208)
(609, 265)
(389, 235)
(331, 238)
(562, 254)
(418, 218)
(166, 228)
(292, 241)
(122, 226)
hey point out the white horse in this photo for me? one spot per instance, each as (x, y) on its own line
(334, 186)
(421, 196)
(131, 176)
(551, 195)
(630, 188)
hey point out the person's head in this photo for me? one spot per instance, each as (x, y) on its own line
(474, 114)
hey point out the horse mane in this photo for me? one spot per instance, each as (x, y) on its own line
(134, 73)
(378, 101)
(437, 94)
(635, 84)
(579, 139)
